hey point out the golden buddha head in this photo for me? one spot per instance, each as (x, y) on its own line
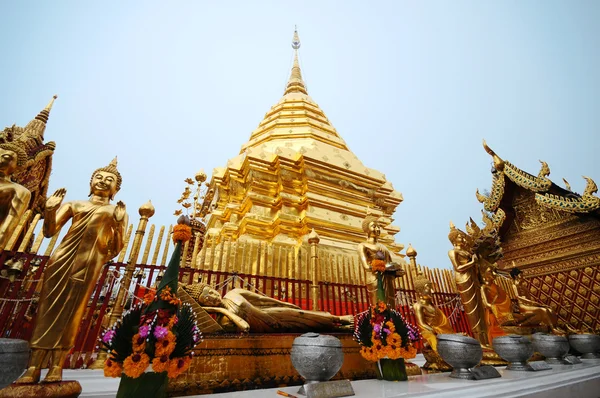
(371, 226)
(489, 273)
(12, 156)
(106, 181)
(423, 286)
(204, 294)
(458, 238)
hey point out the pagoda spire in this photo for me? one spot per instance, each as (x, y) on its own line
(295, 83)
(37, 126)
(45, 113)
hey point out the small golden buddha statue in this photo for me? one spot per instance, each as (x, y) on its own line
(537, 313)
(495, 299)
(466, 274)
(95, 236)
(14, 198)
(245, 311)
(368, 251)
(432, 321)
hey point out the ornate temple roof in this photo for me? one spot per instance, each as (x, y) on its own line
(547, 193)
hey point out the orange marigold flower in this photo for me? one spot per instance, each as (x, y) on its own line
(135, 364)
(161, 364)
(181, 233)
(381, 306)
(112, 369)
(172, 321)
(166, 345)
(390, 325)
(378, 265)
(394, 338)
(139, 343)
(149, 297)
(177, 366)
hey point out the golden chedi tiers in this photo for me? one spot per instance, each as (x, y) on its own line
(296, 174)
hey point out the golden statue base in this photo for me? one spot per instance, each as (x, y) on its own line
(233, 363)
(434, 363)
(491, 358)
(63, 389)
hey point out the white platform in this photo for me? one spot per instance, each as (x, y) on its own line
(580, 381)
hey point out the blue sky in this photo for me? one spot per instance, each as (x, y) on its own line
(413, 88)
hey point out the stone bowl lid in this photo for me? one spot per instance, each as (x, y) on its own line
(584, 336)
(13, 345)
(511, 339)
(317, 340)
(459, 338)
(548, 337)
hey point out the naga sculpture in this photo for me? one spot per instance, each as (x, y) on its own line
(14, 198)
(245, 311)
(368, 251)
(95, 236)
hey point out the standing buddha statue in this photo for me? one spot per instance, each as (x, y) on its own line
(95, 236)
(14, 198)
(372, 249)
(466, 274)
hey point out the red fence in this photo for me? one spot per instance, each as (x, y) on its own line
(18, 299)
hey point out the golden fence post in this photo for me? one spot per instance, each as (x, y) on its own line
(146, 211)
(313, 241)
(17, 232)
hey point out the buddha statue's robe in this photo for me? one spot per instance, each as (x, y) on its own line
(73, 270)
(388, 276)
(432, 321)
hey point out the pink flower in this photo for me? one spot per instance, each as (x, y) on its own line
(108, 336)
(144, 331)
(160, 332)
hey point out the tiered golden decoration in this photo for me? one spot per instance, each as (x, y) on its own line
(296, 174)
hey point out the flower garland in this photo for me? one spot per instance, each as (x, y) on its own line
(382, 331)
(159, 333)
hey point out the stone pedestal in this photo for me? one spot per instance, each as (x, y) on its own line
(64, 389)
(14, 355)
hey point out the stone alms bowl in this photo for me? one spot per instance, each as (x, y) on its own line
(317, 357)
(461, 352)
(587, 344)
(551, 346)
(515, 349)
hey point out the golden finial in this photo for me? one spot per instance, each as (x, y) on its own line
(113, 163)
(146, 210)
(295, 83)
(498, 163)
(567, 185)
(452, 226)
(313, 237)
(296, 39)
(411, 252)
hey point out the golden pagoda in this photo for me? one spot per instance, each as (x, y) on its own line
(296, 174)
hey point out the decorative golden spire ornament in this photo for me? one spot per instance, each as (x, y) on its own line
(295, 83)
